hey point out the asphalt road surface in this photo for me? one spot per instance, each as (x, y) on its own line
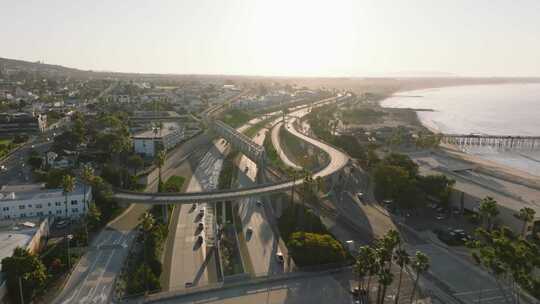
(17, 169)
(92, 279)
(277, 146)
(261, 242)
(190, 262)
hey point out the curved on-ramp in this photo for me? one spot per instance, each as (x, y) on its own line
(338, 160)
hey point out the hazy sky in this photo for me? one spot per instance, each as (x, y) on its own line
(289, 37)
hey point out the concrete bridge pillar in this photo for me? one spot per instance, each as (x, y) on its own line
(165, 212)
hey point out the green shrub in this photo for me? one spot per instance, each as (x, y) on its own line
(174, 184)
(308, 249)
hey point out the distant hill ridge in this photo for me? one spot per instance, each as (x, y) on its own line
(400, 81)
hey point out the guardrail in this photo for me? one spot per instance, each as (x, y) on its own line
(307, 272)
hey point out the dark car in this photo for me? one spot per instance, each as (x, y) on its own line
(61, 224)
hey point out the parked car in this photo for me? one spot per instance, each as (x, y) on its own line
(61, 224)
(461, 235)
(200, 226)
(360, 196)
(258, 203)
(188, 284)
(453, 237)
(199, 239)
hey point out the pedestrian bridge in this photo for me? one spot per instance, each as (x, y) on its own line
(240, 141)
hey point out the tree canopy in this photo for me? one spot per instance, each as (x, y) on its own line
(29, 268)
(315, 249)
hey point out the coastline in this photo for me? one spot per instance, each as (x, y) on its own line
(485, 166)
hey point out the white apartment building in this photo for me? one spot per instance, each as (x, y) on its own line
(149, 142)
(30, 201)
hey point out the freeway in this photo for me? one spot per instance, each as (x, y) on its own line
(338, 160)
(190, 263)
(277, 146)
(261, 242)
(92, 278)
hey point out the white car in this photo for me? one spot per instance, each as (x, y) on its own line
(279, 256)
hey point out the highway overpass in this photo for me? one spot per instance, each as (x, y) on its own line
(338, 160)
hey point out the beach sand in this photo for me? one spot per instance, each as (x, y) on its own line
(492, 168)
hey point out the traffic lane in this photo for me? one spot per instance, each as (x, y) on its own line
(17, 170)
(366, 214)
(92, 279)
(276, 143)
(188, 261)
(261, 242)
(463, 279)
(337, 158)
(307, 290)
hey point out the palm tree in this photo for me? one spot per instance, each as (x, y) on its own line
(147, 221)
(147, 224)
(488, 210)
(363, 264)
(385, 279)
(384, 251)
(402, 259)
(360, 269)
(293, 175)
(68, 185)
(319, 183)
(160, 161)
(87, 176)
(373, 269)
(419, 265)
(307, 187)
(526, 215)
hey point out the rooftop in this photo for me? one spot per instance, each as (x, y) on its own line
(33, 191)
(168, 127)
(150, 114)
(13, 235)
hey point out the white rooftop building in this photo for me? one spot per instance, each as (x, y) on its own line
(24, 234)
(33, 201)
(149, 142)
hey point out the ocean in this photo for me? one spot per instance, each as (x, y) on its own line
(505, 109)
